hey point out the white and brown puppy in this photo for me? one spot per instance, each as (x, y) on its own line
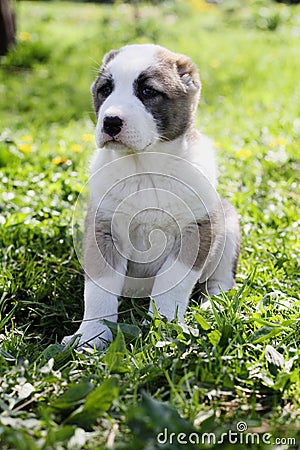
(155, 225)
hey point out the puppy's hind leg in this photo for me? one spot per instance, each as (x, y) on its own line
(176, 278)
(223, 278)
(172, 289)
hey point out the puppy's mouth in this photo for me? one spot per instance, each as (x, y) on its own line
(112, 143)
(115, 144)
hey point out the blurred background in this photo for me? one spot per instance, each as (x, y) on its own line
(63, 43)
(236, 364)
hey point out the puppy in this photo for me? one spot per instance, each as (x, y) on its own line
(155, 224)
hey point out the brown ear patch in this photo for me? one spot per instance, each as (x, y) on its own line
(183, 67)
(188, 72)
(175, 79)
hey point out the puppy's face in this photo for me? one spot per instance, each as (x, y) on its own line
(144, 94)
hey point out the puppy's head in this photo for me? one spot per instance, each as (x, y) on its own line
(144, 94)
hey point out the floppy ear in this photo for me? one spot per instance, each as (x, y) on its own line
(109, 56)
(106, 59)
(188, 72)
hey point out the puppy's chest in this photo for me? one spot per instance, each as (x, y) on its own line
(149, 200)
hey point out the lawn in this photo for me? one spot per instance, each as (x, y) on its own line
(230, 378)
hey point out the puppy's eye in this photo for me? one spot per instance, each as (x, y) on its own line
(105, 90)
(149, 92)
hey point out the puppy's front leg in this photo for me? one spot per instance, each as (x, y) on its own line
(172, 288)
(105, 270)
(98, 304)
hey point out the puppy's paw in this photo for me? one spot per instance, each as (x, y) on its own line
(71, 341)
(90, 338)
(206, 305)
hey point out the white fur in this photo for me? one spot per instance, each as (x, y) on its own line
(156, 186)
(173, 302)
(139, 130)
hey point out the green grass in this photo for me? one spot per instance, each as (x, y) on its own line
(237, 364)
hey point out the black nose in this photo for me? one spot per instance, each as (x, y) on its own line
(112, 125)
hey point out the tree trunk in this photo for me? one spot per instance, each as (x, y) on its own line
(7, 27)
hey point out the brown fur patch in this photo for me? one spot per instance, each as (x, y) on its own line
(210, 235)
(175, 78)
